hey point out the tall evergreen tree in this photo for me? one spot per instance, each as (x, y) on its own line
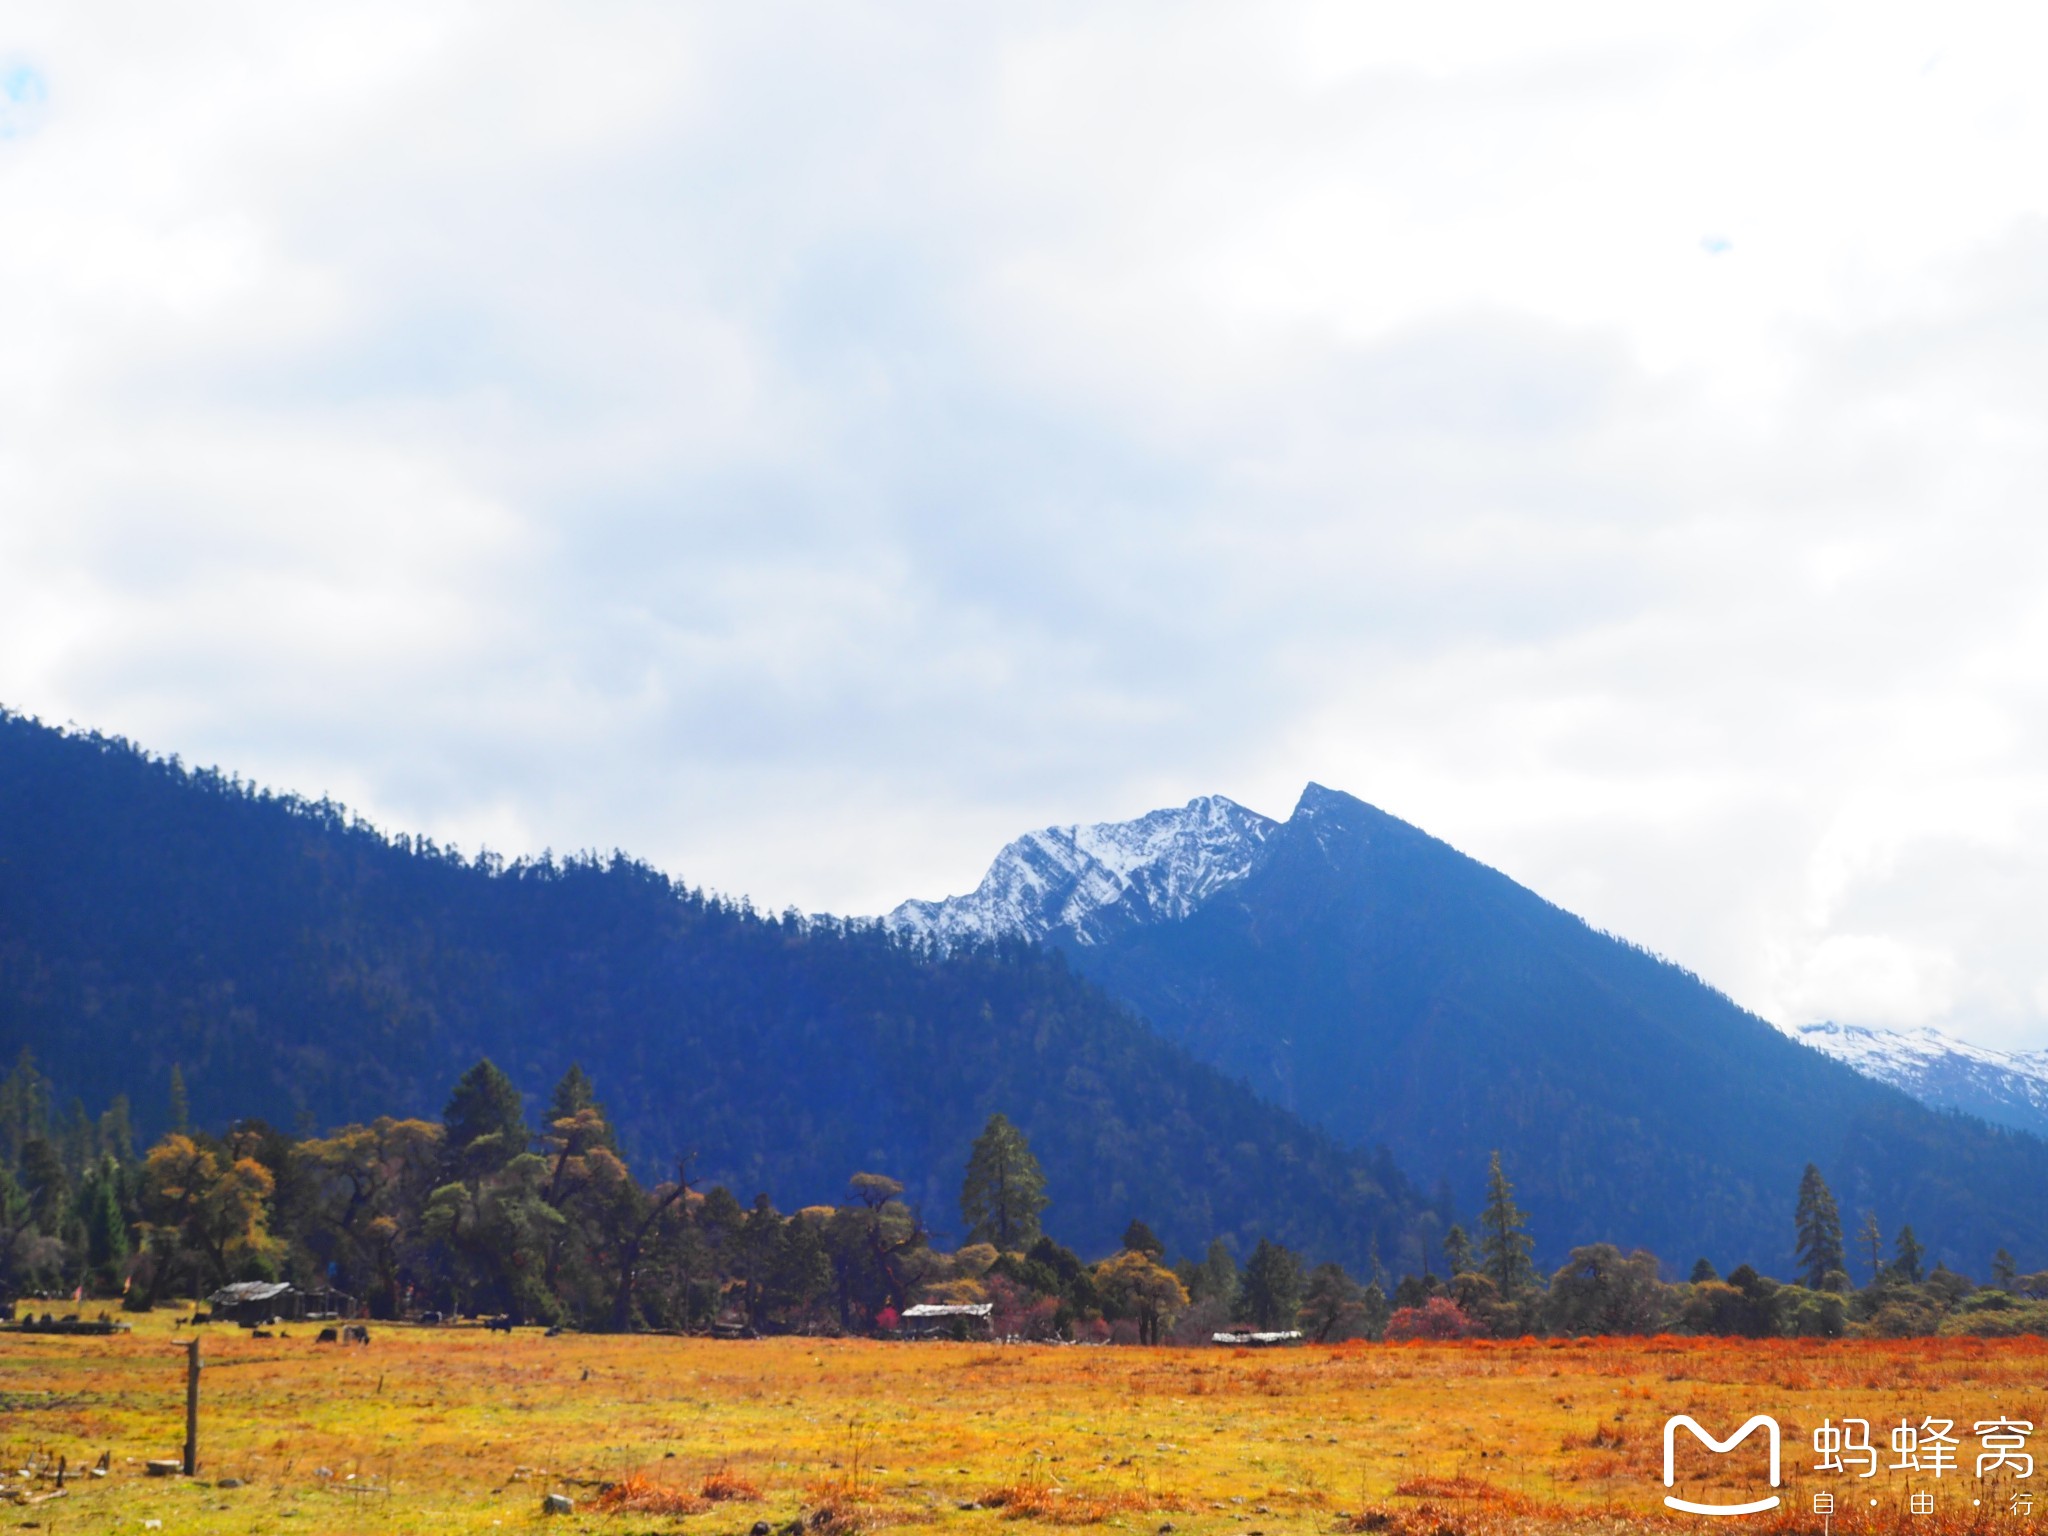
(44, 1180)
(1139, 1238)
(485, 1123)
(573, 1094)
(180, 1103)
(1870, 1238)
(117, 1133)
(106, 1232)
(2004, 1270)
(1457, 1252)
(1819, 1226)
(1906, 1265)
(575, 1100)
(1215, 1278)
(24, 1108)
(1004, 1190)
(1504, 1242)
(1269, 1295)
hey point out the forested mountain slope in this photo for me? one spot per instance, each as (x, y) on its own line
(305, 968)
(1394, 991)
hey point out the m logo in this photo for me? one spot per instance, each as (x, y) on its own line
(1755, 1507)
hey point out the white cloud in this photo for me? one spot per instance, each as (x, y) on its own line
(810, 446)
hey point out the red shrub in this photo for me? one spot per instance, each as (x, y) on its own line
(1438, 1318)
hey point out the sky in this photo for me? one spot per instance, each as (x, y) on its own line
(808, 446)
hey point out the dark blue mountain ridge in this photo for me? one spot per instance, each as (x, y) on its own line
(302, 967)
(1396, 992)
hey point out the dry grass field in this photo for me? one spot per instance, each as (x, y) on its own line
(459, 1430)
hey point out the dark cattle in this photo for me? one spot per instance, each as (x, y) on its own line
(328, 1336)
(499, 1324)
(355, 1333)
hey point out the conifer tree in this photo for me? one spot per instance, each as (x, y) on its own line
(485, 1122)
(1215, 1278)
(1373, 1310)
(1457, 1251)
(1907, 1263)
(180, 1105)
(1819, 1227)
(575, 1100)
(106, 1233)
(1504, 1243)
(1004, 1190)
(572, 1094)
(117, 1134)
(1871, 1240)
(1139, 1238)
(24, 1108)
(1269, 1295)
(2004, 1270)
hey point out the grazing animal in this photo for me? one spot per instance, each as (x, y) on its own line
(501, 1324)
(328, 1336)
(355, 1333)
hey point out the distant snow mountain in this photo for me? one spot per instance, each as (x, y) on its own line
(1085, 883)
(2004, 1087)
(1398, 995)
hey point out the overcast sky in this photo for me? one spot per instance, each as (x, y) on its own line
(807, 446)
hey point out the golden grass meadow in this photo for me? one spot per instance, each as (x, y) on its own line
(460, 1430)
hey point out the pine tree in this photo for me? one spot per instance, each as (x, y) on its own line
(1215, 1278)
(575, 1100)
(1457, 1252)
(485, 1122)
(1269, 1296)
(573, 1093)
(1702, 1271)
(1373, 1310)
(117, 1134)
(2004, 1270)
(1139, 1238)
(180, 1106)
(24, 1108)
(1004, 1190)
(1907, 1264)
(1504, 1243)
(1819, 1227)
(106, 1233)
(47, 1187)
(1871, 1240)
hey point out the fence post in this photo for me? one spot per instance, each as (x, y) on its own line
(192, 1406)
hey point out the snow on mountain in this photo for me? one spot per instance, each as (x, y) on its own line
(1084, 882)
(2005, 1087)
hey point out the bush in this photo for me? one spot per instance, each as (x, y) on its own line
(1987, 1320)
(1438, 1318)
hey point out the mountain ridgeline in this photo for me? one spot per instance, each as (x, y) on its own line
(1395, 992)
(299, 966)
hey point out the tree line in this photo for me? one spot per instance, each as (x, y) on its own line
(479, 1214)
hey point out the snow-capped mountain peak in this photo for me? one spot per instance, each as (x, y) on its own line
(2006, 1087)
(1082, 882)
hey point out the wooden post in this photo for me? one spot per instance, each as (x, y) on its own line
(192, 1406)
